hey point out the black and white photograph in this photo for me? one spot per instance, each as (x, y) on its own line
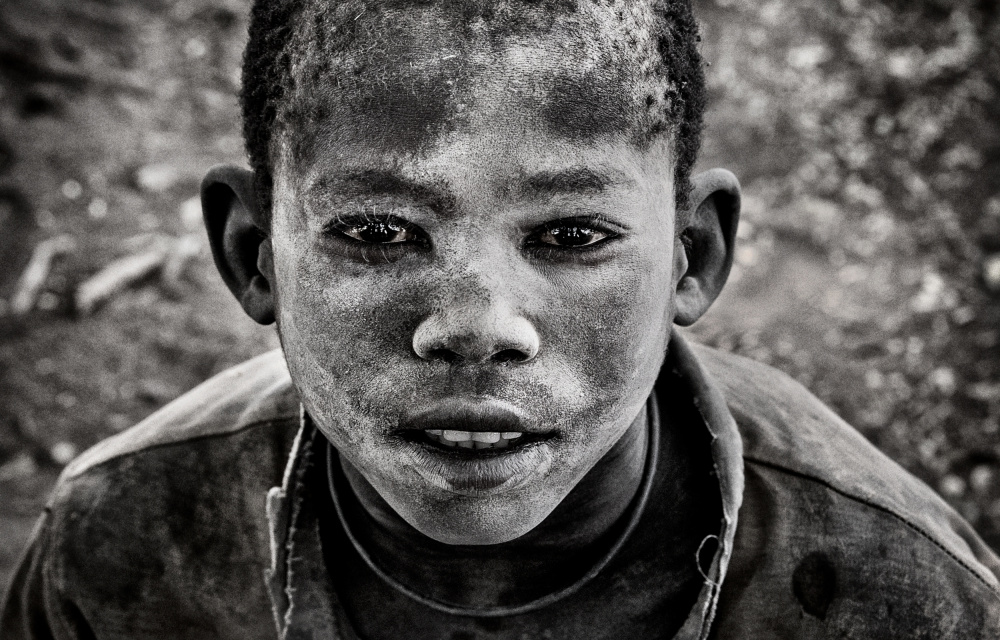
(499, 319)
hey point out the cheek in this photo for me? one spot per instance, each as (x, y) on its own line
(344, 314)
(611, 329)
(340, 327)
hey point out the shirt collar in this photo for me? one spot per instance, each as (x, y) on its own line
(727, 456)
(302, 595)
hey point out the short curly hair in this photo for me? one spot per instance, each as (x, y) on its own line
(286, 36)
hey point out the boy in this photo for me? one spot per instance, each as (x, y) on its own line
(474, 226)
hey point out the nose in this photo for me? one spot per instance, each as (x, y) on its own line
(476, 333)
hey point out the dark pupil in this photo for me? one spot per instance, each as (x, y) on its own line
(378, 232)
(572, 236)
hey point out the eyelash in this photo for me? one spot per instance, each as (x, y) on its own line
(388, 252)
(369, 251)
(546, 251)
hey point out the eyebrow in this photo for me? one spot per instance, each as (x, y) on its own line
(543, 184)
(575, 180)
(381, 182)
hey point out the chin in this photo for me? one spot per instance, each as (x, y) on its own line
(475, 536)
(476, 521)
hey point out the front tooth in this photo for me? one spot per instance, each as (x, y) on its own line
(488, 437)
(466, 444)
(510, 435)
(435, 432)
(456, 436)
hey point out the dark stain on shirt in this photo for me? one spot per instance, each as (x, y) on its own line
(814, 583)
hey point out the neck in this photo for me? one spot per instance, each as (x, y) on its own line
(559, 551)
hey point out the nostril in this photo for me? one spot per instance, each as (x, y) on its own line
(509, 355)
(443, 355)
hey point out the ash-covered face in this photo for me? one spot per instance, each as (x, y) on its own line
(472, 259)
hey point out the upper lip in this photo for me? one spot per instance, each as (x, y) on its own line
(469, 416)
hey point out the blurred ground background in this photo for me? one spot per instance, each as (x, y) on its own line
(867, 136)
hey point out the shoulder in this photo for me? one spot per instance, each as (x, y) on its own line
(255, 392)
(783, 424)
(207, 434)
(834, 538)
(794, 440)
(176, 505)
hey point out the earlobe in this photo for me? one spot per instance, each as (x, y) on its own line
(709, 241)
(238, 236)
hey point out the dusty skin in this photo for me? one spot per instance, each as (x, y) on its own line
(803, 574)
(469, 312)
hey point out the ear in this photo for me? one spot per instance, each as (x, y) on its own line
(239, 239)
(707, 244)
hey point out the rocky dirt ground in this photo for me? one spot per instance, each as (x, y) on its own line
(866, 135)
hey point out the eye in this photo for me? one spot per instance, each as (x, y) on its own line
(378, 231)
(570, 234)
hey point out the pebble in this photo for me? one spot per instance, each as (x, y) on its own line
(66, 400)
(157, 390)
(63, 452)
(157, 178)
(45, 366)
(985, 391)
(190, 214)
(927, 450)
(963, 315)
(931, 295)
(195, 48)
(807, 57)
(952, 486)
(991, 272)
(784, 348)
(874, 379)
(20, 466)
(993, 206)
(943, 379)
(98, 208)
(852, 274)
(981, 478)
(747, 256)
(119, 421)
(45, 219)
(71, 189)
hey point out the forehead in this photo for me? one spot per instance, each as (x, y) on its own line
(400, 77)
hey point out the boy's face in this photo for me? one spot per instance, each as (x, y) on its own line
(501, 275)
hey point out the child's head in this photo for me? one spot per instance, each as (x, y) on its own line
(409, 68)
(463, 219)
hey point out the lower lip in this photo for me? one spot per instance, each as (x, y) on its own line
(478, 475)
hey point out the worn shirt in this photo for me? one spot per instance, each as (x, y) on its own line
(198, 523)
(639, 579)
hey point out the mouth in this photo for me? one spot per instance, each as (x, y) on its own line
(476, 447)
(460, 441)
(460, 426)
